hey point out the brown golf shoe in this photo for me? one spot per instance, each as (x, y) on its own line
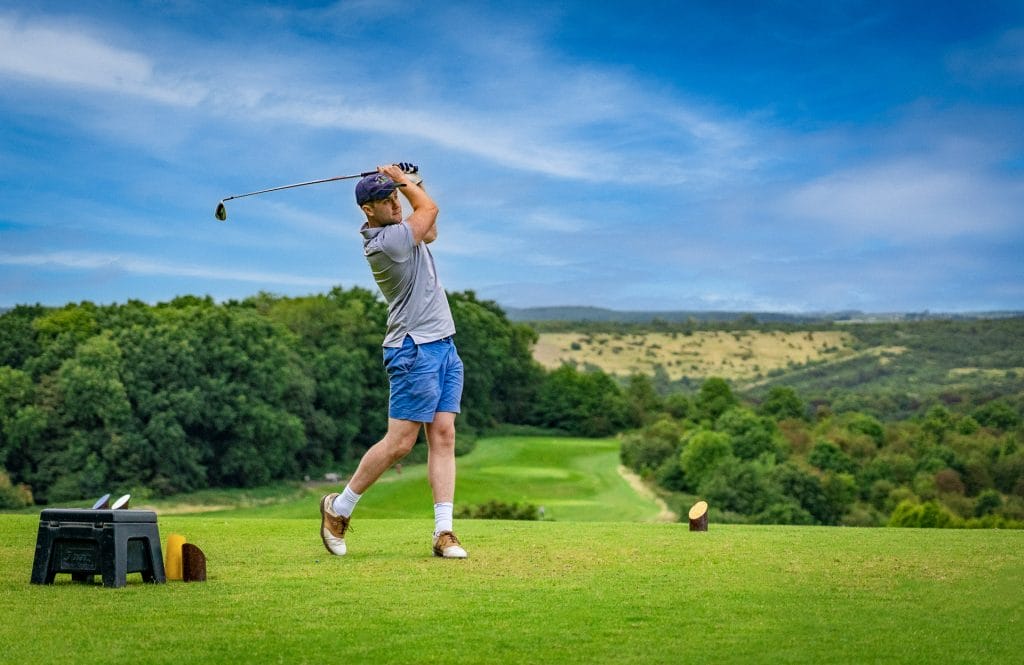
(447, 546)
(333, 526)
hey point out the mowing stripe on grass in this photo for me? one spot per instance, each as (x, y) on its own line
(574, 479)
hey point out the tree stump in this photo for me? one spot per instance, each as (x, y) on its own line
(193, 563)
(699, 516)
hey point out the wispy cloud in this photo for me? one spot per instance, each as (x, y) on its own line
(56, 54)
(906, 200)
(513, 126)
(147, 266)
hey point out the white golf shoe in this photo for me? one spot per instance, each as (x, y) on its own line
(447, 546)
(333, 526)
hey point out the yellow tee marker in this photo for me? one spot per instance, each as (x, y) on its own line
(172, 556)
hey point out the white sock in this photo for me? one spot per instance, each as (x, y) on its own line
(346, 502)
(443, 517)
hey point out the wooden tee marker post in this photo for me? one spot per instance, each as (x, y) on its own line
(699, 516)
(193, 563)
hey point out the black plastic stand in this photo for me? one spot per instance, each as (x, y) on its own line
(86, 543)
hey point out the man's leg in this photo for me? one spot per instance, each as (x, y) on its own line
(441, 456)
(441, 473)
(396, 444)
(336, 509)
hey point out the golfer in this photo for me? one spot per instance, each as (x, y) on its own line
(423, 367)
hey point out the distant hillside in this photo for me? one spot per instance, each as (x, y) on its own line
(571, 313)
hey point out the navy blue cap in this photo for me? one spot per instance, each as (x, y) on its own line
(375, 187)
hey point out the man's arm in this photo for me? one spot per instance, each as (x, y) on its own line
(432, 233)
(423, 219)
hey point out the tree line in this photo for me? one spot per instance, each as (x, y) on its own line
(191, 393)
(780, 461)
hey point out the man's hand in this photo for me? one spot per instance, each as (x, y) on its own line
(424, 210)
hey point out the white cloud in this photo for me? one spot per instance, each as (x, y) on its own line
(146, 266)
(601, 126)
(906, 200)
(62, 56)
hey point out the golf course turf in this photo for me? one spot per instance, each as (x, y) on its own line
(574, 591)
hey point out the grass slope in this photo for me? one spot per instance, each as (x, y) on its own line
(574, 479)
(740, 355)
(535, 592)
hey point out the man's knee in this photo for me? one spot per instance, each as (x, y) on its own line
(400, 443)
(442, 435)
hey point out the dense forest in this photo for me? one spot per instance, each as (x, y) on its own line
(782, 462)
(192, 394)
(189, 394)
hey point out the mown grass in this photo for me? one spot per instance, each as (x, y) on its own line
(535, 592)
(573, 479)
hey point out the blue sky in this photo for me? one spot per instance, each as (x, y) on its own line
(757, 156)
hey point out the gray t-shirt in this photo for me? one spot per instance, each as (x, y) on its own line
(405, 273)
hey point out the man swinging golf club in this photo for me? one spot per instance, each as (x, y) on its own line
(423, 367)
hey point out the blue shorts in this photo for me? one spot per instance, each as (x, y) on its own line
(424, 378)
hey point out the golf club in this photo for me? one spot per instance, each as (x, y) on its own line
(222, 211)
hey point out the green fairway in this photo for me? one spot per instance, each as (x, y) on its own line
(573, 479)
(535, 592)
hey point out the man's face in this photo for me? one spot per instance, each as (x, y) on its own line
(385, 211)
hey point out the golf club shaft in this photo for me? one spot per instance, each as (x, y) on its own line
(300, 184)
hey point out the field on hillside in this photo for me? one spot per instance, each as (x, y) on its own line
(535, 592)
(742, 355)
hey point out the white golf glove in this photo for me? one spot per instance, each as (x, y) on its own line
(412, 171)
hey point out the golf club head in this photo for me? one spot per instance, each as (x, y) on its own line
(102, 503)
(121, 503)
(222, 212)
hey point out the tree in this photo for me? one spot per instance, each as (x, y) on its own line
(750, 435)
(585, 403)
(702, 452)
(740, 486)
(827, 456)
(647, 449)
(715, 398)
(826, 507)
(782, 402)
(643, 400)
(997, 414)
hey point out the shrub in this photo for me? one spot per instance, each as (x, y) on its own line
(647, 449)
(861, 515)
(988, 502)
(787, 511)
(13, 496)
(500, 510)
(928, 515)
